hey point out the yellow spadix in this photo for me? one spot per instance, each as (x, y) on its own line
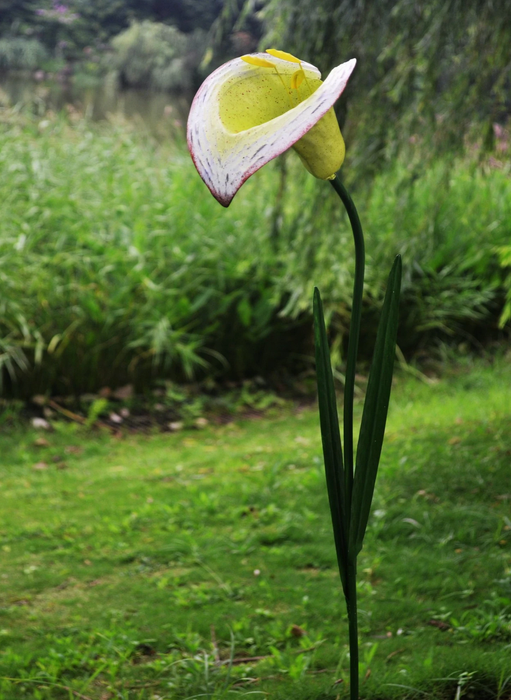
(254, 108)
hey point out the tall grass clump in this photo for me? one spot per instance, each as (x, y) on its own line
(448, 220)
(504, 253)
(115, 267)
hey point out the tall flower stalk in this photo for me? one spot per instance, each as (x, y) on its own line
(246, 113)
(351, 478)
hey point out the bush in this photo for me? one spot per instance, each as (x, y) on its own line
(154, 55)
(21, 54)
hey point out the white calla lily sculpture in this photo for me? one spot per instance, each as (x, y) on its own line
(246, 113)
(253, 108)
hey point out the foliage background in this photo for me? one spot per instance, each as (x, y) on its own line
(437, 71)
(204, 292)
(109, 275)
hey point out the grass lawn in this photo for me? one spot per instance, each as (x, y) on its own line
(136, 568)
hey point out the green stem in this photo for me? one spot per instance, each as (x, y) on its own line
(351, 604)
(349, 393)
(356, 312)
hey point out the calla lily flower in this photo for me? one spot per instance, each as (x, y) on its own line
(253, 108)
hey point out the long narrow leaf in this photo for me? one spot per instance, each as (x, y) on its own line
(374, 417)
(331, 439)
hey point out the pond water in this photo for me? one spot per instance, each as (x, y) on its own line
(163, 114)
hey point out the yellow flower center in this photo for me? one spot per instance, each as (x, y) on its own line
(266, 92)
(263, 94)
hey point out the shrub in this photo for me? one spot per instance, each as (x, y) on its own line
(17, 53)
(154, 55)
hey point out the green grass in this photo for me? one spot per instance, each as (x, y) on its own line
(129, 566)
(117, 265)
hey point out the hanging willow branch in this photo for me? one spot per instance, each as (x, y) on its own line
(435, 71)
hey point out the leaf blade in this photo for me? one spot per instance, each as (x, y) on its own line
(331, 439)
(374, 415)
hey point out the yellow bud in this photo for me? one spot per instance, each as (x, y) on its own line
(283, 55)
(256, 61)
(322, 148)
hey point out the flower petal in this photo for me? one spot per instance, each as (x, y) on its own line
(225, 159)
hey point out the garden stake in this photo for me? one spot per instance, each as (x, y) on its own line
(246, 113)
(350, 494)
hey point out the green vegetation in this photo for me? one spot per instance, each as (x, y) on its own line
(92, 22)
(137, 567)
(201, 564)
(505, 260)
(116, 265)
(81, 36)
(437, 72)
(158, 56)
(19, 53)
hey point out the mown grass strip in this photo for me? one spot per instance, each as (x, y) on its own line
(123, 561)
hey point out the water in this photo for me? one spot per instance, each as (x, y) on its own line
(163, 114)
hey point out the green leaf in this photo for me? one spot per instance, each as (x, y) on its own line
(331, 438)
(374, 417)
(244, 311)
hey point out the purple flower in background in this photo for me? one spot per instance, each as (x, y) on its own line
(60, 13)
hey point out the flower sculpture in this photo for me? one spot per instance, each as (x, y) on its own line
(253, 108)
(246, 113)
